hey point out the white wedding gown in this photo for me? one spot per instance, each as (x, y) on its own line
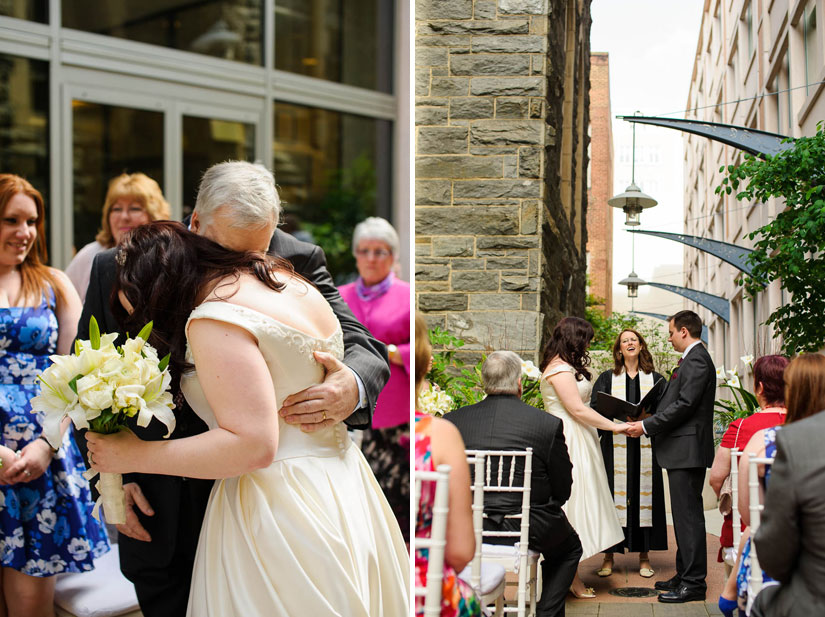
(590, 508)
(312, 533)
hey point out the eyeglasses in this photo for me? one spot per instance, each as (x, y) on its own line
(377, 253)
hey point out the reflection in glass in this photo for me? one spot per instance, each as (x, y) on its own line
(333, 170)
(31, 10)
(207, 142)
(229, 29)
(348, 41)
(108, 141)
(24, 114)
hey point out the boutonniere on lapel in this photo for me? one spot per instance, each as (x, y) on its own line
(676, 370)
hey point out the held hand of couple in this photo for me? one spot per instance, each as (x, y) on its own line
(132, 526)
(326, 403)
(115, 453)
(634, 429)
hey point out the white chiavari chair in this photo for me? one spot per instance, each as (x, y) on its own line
(755, 508)
(437, 541)
(734, 494)
(499, 477)
(487, 579)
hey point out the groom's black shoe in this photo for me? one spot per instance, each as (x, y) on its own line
(683, 594)
(671, 584)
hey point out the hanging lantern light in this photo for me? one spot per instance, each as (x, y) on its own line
(632, 201)
(632, 283)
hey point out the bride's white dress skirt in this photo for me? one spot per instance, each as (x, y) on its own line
(590, 508)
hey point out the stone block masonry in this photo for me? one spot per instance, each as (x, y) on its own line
(501, 141)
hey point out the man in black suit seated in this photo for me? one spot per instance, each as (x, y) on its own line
(503, 422)
(164, 513)
(682, 433)
(790, 541)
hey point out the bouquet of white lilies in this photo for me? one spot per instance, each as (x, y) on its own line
(98, 387)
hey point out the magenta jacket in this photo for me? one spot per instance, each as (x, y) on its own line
(388, 319)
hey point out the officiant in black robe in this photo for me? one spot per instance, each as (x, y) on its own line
(634, 477)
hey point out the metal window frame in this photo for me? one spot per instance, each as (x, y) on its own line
(109, 70)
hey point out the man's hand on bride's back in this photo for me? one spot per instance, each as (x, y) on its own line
(132, 526)
(326, 403)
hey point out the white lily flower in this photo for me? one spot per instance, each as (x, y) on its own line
(530, 370)
(720, 371)
(747, 360)
(734, 381)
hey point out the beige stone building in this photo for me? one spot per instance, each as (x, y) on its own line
(500, 164)
(600, 184)
(758, 64)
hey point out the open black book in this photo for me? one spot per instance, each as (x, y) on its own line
(613, 407)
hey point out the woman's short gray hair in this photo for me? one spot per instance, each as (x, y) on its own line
(501, 373)
(376, 228)
(246, 190)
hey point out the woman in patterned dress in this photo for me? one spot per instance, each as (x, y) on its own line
(45, 504)
(438, 442)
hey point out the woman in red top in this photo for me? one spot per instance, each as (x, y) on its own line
(769, 387)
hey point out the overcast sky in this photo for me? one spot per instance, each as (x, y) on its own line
(652, 46)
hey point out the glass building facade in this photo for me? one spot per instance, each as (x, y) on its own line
(316, 90)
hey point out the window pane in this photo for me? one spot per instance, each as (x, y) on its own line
(24, 115)
(333, 170)
(108, 141)
(32, 10)
(207, 142)
(230, 29)
(348, 41)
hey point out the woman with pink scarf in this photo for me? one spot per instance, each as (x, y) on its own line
(381, 302)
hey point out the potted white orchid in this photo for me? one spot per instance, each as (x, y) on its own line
(98, 387)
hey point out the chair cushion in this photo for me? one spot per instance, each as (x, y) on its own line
(505, 552)
(492, 575)
(103, 592)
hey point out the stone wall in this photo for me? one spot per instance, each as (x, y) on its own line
(501, 91)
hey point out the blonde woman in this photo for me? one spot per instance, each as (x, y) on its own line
(132, 200)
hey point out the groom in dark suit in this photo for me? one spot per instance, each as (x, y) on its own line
(164, 513)
(682, 433)
(502, 422)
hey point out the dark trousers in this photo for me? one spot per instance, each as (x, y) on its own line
(689, 526)
(561, 548)
(161, 570)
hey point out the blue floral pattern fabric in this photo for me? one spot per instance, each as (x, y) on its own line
(46, 525)
(743, 591)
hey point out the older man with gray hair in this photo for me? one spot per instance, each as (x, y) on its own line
(237, 207)
(503, 422)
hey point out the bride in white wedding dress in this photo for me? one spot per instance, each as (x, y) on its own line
(296, 523)
(565, 389)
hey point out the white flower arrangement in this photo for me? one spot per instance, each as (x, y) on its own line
(530, 370)
(747, 361)
(98, 387)
(434, 401)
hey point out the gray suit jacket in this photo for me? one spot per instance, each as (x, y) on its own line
(682, 425)
(790, 541)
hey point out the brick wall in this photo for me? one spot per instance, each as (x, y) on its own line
(499, 257)
(599, 214)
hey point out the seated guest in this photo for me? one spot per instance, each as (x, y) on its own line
(503, 422)
(769, 387)
(437, 442)
(791, 537)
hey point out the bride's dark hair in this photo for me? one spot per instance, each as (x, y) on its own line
(165, 271)
(569, 341)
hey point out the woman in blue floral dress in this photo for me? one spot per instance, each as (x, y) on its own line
(46, 525)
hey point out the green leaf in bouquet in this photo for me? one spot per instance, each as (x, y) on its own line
(94, 333)
(73, 382)
(164, 362)
(77, 348)
(146, 331)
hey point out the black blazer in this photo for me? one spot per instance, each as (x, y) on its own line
(504, 422)
(791, 538)
(681, 427)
